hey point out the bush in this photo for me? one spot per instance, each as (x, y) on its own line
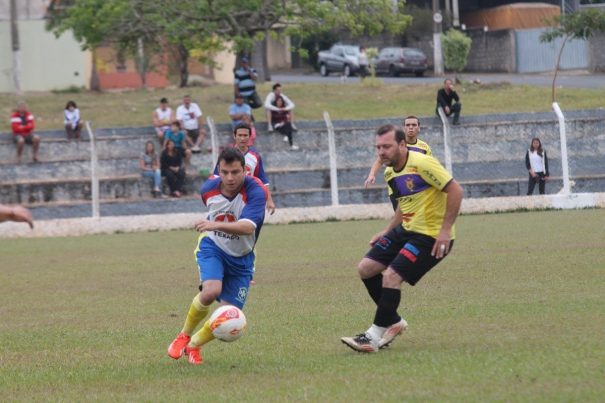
(456, 46)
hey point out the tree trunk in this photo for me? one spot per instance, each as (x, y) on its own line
(183, 66)
(95, 84)
(260, 62)
(554, 79)
(142, 65)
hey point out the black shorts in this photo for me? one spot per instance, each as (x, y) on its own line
(29, 139)
(408, 253)
(193, 134)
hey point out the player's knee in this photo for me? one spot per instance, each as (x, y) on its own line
(368, 268)
(391, 279)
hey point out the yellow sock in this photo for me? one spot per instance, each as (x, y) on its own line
(197, 312)
(202, 337)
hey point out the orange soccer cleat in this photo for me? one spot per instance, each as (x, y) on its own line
(178, 345)
(193, 354)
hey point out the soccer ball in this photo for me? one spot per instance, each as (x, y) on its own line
(227, 323)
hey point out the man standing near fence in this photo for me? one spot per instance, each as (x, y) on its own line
(420, 234)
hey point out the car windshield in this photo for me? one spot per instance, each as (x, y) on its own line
(351, 50)
(414, 53)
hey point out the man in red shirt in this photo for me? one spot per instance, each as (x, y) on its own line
(22, 122)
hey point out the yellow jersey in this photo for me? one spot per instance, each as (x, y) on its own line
(417, 192)
(420, 147)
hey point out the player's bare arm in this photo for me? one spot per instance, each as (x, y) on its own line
(17, 214)
(270, 203)
(455, 193)
(242, 227)
(371, 179)
(396, 220)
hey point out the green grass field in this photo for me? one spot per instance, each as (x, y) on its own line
(134, 108)
(516, 313)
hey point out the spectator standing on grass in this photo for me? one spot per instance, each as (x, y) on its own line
(238, 110)
(419, 235)
(17, 214)
(23, 125)
(190, 117)
(150, 167)
(71, 119)
(411, 128)
(172, 168)
(445, 99)
(162, 116)
(280, 120)
(177, 135)
(536, 163)
(225, 251)
(245, 83)
(270, 106)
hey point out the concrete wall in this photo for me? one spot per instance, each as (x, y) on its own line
(596, 49)
(492, 51)
(47, 63)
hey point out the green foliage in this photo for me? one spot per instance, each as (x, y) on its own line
(456, 46)
(422, 22)
(579, 25)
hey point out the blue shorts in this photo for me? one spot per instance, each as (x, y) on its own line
(235, 272)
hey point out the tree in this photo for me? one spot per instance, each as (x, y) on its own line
(456, 46)
(579, 25)
(132, 26)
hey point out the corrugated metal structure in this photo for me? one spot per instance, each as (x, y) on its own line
(533, 56)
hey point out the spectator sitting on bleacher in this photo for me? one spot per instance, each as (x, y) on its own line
(177, 136)
(71, 119)
(150, 167)
(22, 123)
(172, 168)
(162, 117)
(270, 106)
(280, 120)
(238, 110)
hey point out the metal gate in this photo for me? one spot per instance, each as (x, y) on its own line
(534, 56)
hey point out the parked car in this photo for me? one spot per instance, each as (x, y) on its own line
(394, 61)
(344, 59)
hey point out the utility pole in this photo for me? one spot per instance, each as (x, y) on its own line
(437, 53)
(15, 48)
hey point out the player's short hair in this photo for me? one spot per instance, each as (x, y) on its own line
(276, 85)
(411, 117)
(230, 155)
(164, 100)
(177, 123)
(446, 80)
(242, 126)
(384, 129)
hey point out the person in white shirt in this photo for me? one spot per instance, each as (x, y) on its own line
(189, 115)
(162, 118)
(71, 119)
(536, 163)
(270, 106)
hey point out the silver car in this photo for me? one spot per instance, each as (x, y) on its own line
(394, 61)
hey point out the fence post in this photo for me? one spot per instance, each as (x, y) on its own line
(94, 175)
(564, 161)
(332, 154)
(213, 142)
(446, 146)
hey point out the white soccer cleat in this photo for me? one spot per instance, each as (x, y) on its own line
(362, 343)
(392, 332)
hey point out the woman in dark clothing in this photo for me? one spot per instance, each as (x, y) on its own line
(172, 168)
(280, 120)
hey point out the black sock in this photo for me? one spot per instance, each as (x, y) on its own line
(374, 286)
(386, 313)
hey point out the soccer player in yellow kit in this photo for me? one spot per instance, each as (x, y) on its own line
(420, 234)
(411, 128)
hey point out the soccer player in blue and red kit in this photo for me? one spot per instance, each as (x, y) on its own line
(225, 255)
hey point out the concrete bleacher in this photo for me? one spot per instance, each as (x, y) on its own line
(487, 153)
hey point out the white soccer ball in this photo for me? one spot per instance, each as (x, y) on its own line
(227, 323)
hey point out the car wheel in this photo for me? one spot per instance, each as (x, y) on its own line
(392, 71)
(346, 71)
(323, 70)
(419, 73)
